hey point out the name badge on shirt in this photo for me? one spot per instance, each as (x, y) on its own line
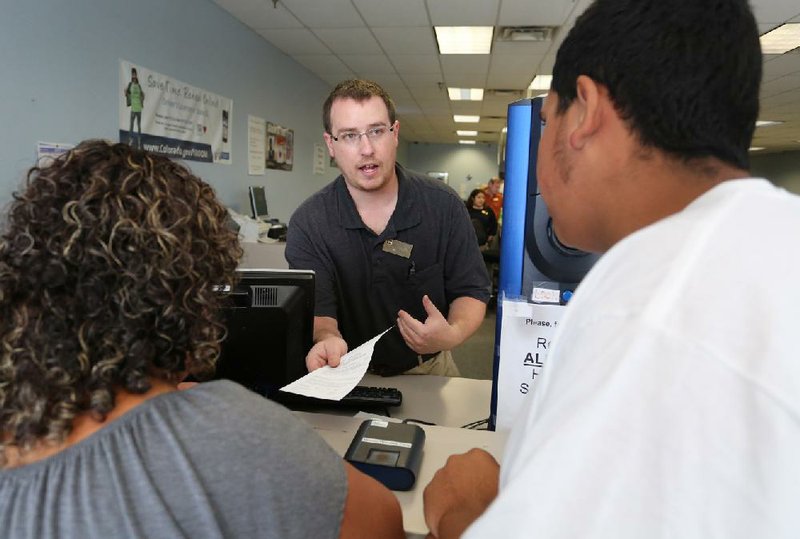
(397, 247)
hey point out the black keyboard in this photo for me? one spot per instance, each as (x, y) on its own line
(373, 396)
(359, 397)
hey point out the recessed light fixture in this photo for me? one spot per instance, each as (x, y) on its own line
(465, 94)
(466, 142)
(756, 148)
(541, 82)
(782, 39)
(461, 118)
(464, 39)
(467, 133)
(767, 123)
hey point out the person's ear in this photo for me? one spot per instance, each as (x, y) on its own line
(396, 132)
(588, 109)
(329, 143)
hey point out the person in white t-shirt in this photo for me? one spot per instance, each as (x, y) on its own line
(670, 403)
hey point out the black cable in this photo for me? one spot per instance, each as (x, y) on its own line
(420, 421)
(476, 424)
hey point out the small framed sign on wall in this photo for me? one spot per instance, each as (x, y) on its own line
(438, 175)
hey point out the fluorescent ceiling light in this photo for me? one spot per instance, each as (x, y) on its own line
(467, 133)
(465, 94)
(782, 39)
(541, 82)
(464, 39)
(466, 142)
(756, 148)
(767, 123)
(460, 118)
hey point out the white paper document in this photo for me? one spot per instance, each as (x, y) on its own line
(334, 383)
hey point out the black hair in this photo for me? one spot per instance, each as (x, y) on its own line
(472, 195)
(684, 74)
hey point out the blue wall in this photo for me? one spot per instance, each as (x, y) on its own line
(60, 60)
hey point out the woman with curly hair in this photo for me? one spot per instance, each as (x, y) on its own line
(108, 264)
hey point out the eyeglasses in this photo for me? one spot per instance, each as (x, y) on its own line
(374, 134)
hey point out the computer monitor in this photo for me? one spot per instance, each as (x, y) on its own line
(258, 203)
(270, 322)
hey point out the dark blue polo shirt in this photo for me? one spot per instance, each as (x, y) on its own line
(362, 286)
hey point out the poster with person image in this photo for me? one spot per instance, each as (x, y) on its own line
(279, 147)
(165, 116)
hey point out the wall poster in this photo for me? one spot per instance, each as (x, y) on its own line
(169, 117)
(279, 147)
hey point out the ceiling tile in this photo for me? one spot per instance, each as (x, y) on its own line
(466, 107)
(325, 14)
(465, 63)
(393, 12)
(335, 77)
(260, 13)
(409, 40)
(434, 107)
(429, 93)
(416, 64)
(463, 12)
(390, 82)
(294, 41)
(781, 85)
(322, 63)
(777, 66)
(363, 63)
(774, 11)
(512, 72)
(534, 12)
(348, 40)
(535, 49)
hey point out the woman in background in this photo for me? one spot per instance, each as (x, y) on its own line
(109, 262)
(483, 218)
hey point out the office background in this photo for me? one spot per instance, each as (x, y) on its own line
(59, 83)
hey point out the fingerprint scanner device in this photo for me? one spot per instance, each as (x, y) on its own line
(387, 451)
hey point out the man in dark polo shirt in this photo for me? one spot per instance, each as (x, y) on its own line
(389, 247)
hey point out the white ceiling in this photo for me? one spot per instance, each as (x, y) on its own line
(392, 42)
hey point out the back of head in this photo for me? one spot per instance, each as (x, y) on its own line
(107, 264)
(358, 90)
(684, 74)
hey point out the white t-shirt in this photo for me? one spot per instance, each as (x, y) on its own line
(670, 405)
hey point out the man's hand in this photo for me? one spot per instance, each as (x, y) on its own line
(326, 352)
(434, 335)
(438, 333)
(460, 492)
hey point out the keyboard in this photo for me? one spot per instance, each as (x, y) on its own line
(373, 396)
(359, 397)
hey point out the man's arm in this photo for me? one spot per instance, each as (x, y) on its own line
(370, 510)
(460, 492)
(438, 333)
(329, 346)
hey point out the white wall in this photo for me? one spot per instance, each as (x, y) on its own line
(467, 166)
(60, 60)
(781, 168)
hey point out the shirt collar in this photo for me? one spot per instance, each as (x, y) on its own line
(406, 213)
